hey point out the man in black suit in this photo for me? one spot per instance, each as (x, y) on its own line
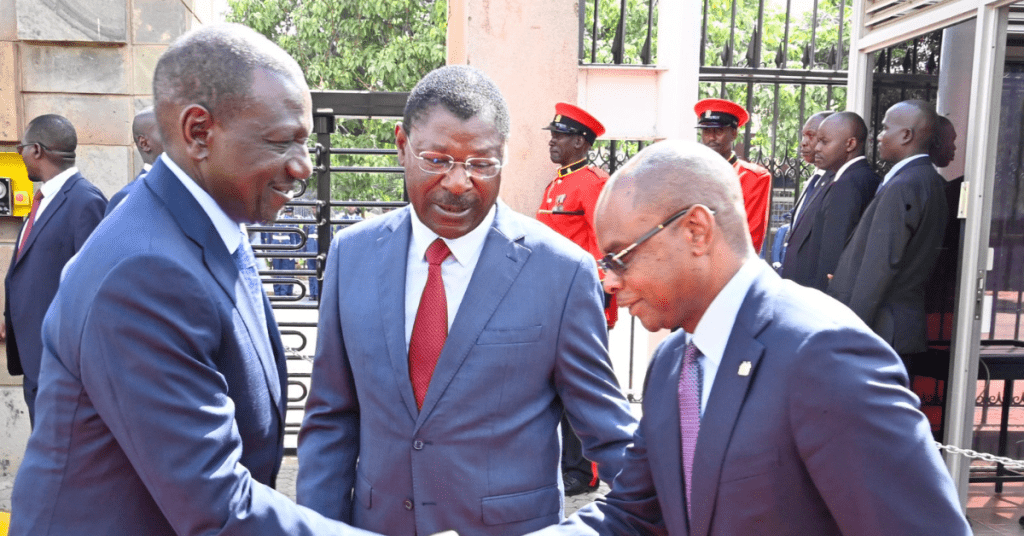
(65, 210)
(817, 236)
(883, 270)
(149, 144)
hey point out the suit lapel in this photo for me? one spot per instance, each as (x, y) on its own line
(501, 260)
(47, 215)
(726, 401)
(663, 429)
(195, 224)
(394, 246)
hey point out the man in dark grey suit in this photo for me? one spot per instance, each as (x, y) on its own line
(822, 228)
(884, 268)
(774, 410)
(66, 209)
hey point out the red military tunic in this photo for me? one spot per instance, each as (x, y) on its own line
(568, 208)
(756, 183)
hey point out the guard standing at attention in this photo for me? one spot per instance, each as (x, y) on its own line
(568, 208)
(569, 200)
(719, 121)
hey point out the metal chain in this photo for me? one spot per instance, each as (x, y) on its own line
(1008, 463)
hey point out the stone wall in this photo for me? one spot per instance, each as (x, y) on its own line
(91, 61)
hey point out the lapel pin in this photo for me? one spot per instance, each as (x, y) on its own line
(744, 369)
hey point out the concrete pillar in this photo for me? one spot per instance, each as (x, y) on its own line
(530, 50)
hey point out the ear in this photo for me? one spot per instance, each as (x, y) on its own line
(906, 136)
(143, 143)
(700, 230)
(851, 145)
(401, 140)
(578, 142)
(196, 124)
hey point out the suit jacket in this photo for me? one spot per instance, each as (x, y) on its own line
(31, 282)
(159, 388)
(482, 456)
(821, 436)
(116, 199)
(883, 270)
(826, 223)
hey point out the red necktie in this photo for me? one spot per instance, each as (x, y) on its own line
(36, 200)
(431, 327)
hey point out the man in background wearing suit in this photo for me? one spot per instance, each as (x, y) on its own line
(453, 335)
(162, 393)
(149, 144)
(775, 410)
(65, 210)
(827, 220)
(884, 268)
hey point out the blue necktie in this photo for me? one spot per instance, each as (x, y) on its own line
(245, 260)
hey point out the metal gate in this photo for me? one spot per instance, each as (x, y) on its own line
(294, 248)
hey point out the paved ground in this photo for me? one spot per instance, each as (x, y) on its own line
(290, 466)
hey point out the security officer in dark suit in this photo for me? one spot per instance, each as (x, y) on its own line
(281, 263)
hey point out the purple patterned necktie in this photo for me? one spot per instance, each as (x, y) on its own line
(689, 412)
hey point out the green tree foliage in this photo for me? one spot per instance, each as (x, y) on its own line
(382, 45)
(609, 14)
(786, 43)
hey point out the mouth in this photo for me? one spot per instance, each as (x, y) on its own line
(286, 190)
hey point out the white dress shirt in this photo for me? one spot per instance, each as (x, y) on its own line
(846, 166)
(456, 270)
(715, 326)
(899, 165)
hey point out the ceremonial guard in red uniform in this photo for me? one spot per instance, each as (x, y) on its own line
(568, 208)
(719, 121)
(569, 200)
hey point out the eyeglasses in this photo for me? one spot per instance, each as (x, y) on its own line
(480, 168)
(21, 146)
(612, 262)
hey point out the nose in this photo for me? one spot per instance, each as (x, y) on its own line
(457, 180)
(612, 282)
(300, 167)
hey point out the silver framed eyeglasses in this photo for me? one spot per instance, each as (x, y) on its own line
(479, 168)
(612, 262)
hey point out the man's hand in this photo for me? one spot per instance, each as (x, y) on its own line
(3, 331)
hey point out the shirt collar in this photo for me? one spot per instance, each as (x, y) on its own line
(52, 186)
(847, 166)
(712, 332)
(900, 165)
(572, 168)
(146, 167)
(466, 249)
(229, 230)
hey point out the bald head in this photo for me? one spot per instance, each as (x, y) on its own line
(840, 139)
(669, 175)
(54, 150)
(147, 135)
(908, 129)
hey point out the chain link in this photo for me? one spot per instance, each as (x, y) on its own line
(1008, 463)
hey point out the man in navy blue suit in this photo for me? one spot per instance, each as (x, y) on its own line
(66, 209)
(884, 269)
(161, 403)
(774, 410)
(439, 381)
(827, 220)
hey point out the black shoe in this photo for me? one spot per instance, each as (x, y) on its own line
(575, 486)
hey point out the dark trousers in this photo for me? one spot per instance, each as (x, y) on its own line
(573, 462)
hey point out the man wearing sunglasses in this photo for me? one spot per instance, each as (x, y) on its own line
(453, 335)
(65, 210)
(775, 410)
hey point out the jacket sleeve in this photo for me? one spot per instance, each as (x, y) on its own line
(329, 438)
(584, 379)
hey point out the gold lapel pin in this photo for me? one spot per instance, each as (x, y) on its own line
(744, 369)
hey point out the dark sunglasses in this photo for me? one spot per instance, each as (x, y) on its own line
(612, 262)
